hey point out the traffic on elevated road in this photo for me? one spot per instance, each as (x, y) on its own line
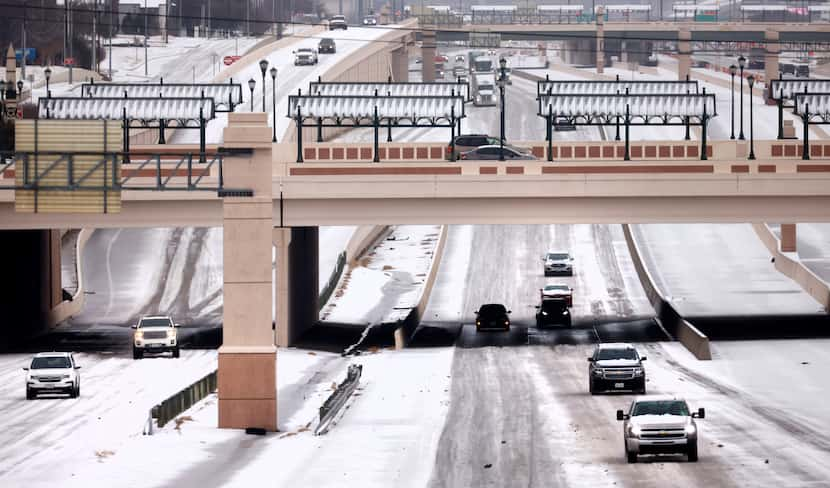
(375, 243)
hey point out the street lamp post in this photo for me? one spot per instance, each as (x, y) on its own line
(48, 74)
(732, 70)
(263, 67)
(751, 81)
(741, 64)
(502, 84)
(251, 85)
(274, 102)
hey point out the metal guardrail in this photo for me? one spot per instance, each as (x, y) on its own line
(328, 289)
(168, 409)
(335, 402)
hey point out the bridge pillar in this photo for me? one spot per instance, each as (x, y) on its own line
(600, 40)
(684, 54)
(773, 48)
(788, 238)
(247, 359)
(400, 64)
(428, 43)
(296, 290)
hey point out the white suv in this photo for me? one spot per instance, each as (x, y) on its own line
(155, 334)
(53, 372)
(660, 425)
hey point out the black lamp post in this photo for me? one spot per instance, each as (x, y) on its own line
(741, 64)
(732, 70)
(19, 91)
(751, 81)
(251, 85)
(502, 84)
(263, 66)
(274, 96)
(2, 90)
(48, 74)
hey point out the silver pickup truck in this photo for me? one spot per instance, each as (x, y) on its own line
(660, 425)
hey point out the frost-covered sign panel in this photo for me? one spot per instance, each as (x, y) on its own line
(637, 109)
(360, 89)
(186, 111)
(225, 96)
(397, 111)
(586, 87)
(787, 89)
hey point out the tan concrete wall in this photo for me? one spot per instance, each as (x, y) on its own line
(793, 268)
(363, 238)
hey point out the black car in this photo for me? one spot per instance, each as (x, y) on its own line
(492, 316)
(553, 311)
(326, 45)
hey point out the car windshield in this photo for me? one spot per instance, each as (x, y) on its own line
(303, 50)
(51, 362)
(607, 354)
(483, 87)
(492, 309)
(661, 407)
(155, 323)
(558, 256)
(556, 288)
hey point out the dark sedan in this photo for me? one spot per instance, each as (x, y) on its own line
(486, 153)
(492, 316)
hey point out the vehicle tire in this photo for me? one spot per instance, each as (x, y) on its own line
(137, 353)
(30, 395)
(176, 352)
(591, 388)
(642, 389)
(631, 457)
(692, 453)
(568, 323)
(76, 391)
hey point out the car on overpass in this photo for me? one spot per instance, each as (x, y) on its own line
(305, 56)
(468, 142)
(558, 263)
(53, 372)
(155, 334)
(370, 20)
(326, 46)
(494, 152)
(616, 367)
(338, 22)
(492, 316)
(660, 425)
(553, 311)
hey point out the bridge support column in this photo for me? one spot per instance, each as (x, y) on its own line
(428, 43)
(684, 54)
(400, 64)
(788, 238)
(296, 290)
(247, 359)
(600, 40)
(771, 69)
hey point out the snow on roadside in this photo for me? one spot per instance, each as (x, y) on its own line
(387, 436)
(389, 280)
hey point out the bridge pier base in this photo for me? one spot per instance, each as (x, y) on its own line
(400, 64)
(247, 359)
(788, 238)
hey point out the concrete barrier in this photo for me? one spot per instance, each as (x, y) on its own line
(407, 328)
(793, 268)
(68, 308)
(692, 339)
(363, 238)
(177, 403)
(334, 403)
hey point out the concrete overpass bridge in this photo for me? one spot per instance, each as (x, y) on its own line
(594, 42)
(338, 184)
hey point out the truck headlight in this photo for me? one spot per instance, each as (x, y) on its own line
(638, 371)
(691, 429)
(139, 335)
(545, 314)
(634, 430)
(597, 372)
(66, 376)
(171, 333)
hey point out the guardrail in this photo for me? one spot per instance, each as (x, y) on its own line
(334, 278)
(333, 404)
(168, 409)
